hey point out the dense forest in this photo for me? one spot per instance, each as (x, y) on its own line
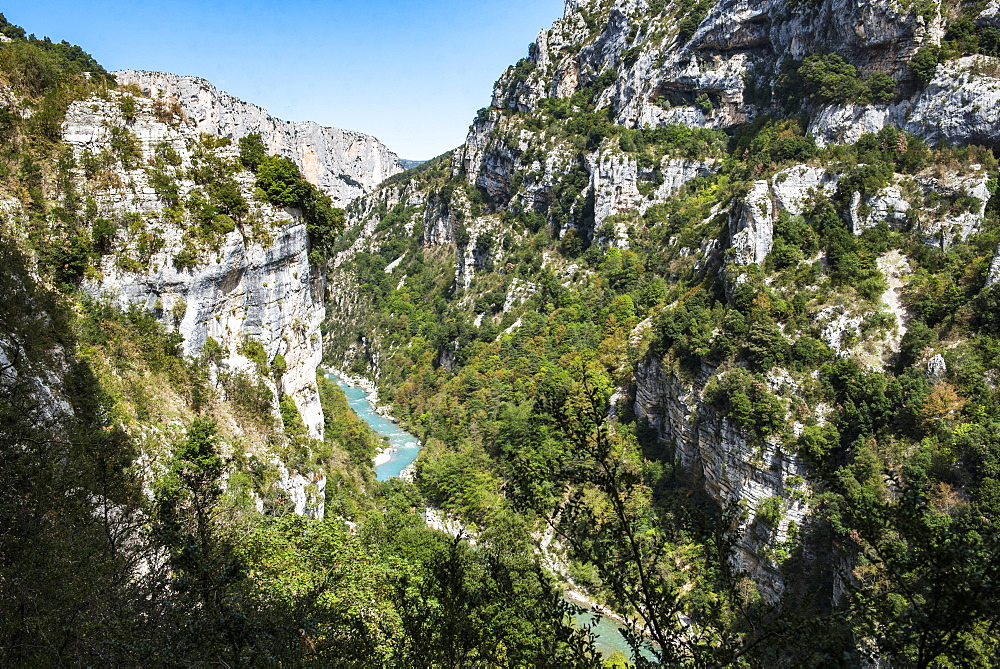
(585, 379)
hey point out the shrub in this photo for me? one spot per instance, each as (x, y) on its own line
(768, 142)
(186, 258)
(694, 13)
(924, 63)
(251, 397)
(880, 88)
(168, 155)
(166, 187)
(103, 233)
(254, 351)
(794, 240)
(128, 107)
(125, 146)
(283, 185)
(290, 416)
(252, 151)
(828, 78)
(212, 351)
(771, 511)
(279, 366)
(226, 195)
(744, 399)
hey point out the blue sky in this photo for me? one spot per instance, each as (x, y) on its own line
(411, 72)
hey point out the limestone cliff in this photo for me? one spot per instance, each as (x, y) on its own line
(341, 163)
(734, 469)
(732, 56)
(251, 281)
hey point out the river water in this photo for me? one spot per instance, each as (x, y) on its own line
(406, 447)
(607, 638)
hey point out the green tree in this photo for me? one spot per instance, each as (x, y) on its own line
(252, 151)
(924, 63)
(205, 569)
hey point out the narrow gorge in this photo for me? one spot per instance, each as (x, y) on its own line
(698, 328)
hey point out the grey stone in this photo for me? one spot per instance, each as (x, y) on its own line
(937, 368)
(341, 163)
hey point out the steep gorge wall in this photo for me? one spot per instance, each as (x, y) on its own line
(256, 283)
(734, 469)
(341, 163)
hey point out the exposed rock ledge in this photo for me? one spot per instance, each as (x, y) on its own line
(734, 470)
(961, 105)
(265, 289)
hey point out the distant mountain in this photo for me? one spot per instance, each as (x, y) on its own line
(410, 164)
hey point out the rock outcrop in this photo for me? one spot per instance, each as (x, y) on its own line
(615, 180)
(961, 105)
(341, 163)
(734, 471)
(942, 207)
(255, 283)
(751, 222)
(993, 278)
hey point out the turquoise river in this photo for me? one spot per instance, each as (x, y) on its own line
(406, 447)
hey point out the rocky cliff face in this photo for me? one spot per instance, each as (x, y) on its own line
(251, 281)
(543, 157)
(714, 77)
(733, 468)
(341, 163)
(735, 50)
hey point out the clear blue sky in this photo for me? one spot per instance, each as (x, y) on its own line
(411, 72)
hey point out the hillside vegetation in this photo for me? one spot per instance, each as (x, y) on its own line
(739, 380)
(162, 508)
(700, 326)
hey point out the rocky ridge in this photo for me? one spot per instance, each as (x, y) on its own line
(341, 163)
(736, 51)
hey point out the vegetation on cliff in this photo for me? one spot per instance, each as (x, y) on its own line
(559, 361)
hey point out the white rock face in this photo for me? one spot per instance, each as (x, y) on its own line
(839, 329)
(662, 77)
(615, 179)
(794, 187)
(739, 41)
(341, 163)
(846, 124)
(263, 289)
(734, 469)
(306, 494)
(961, 105)
(37, 381)
(937, 368)
(993, 277)
(888, 205)
(751, 223)
(955, 210)
(247, 291)
(752, 226)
